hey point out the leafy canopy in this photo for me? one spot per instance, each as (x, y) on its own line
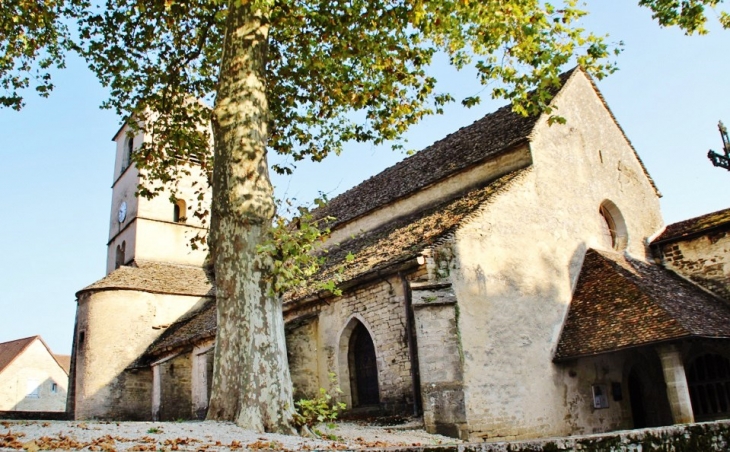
(689, 15)
(33, 39)
(337, 70)
(327, 58)
(326, 61)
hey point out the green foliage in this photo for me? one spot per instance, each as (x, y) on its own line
(320, 409)
(33, 40)
(325, 61)
(293, 248)
(689, 15)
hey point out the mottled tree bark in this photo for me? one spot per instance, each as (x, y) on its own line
(251, 382)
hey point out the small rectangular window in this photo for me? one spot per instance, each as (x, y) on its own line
(54, 388)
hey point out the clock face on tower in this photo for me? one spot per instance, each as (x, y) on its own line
(122, 215)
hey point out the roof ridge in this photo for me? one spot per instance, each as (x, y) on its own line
(683, 283)
(482, 140)
(20, 351)
(635, 279)
(691, 226)
(171, 264)
(21, 339)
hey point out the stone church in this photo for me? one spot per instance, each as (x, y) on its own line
(512, 280)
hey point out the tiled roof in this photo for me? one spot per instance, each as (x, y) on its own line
(156, 277)
(396, 242)
(403, 239)
(64, 361)
(191, 328)
(484, 139)
(693, 226)
(621, 302)
(11, 349)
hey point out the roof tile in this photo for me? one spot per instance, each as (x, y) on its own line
(693, 226)
(621, 302)
(11, 349)
(191, 328)
(484, 139)
(156, 277)
(402, 239)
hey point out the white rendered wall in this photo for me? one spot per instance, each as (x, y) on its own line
(160, 238)
(518, 261)
(118, 326)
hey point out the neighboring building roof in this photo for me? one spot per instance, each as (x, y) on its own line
(621, 302)
(64, 361)
(156, 277)
(694, 226)
(12, 349)
(401, 240)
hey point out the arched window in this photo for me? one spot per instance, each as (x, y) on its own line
(614, 233)
(127, 153)
(119, 260)
(178, 211)
(708, 378)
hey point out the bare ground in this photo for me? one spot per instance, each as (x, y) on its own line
(206, 436)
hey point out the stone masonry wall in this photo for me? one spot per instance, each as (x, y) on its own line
(439, 359)
(704, 259)
(132, 402)
(517, 260)
(301, 348)
(175, 385)
(705, 437)
(383, 311)
(379, 306)
(114, 327)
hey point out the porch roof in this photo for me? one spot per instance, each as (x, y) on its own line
(621, 302)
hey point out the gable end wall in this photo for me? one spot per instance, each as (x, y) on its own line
(518, 261)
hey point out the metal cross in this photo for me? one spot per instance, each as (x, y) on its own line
(723, 161)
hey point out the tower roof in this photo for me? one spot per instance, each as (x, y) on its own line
(156, 277)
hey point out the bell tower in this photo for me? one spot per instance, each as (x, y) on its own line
(157, 229)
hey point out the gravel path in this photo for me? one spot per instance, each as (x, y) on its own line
(202, 436)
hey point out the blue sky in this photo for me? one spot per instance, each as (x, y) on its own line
(57, 160)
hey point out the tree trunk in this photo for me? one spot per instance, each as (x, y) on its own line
(251, 382)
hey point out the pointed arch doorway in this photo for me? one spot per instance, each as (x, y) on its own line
(361, 371)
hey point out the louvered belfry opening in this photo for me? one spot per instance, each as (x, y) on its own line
(363, 368)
